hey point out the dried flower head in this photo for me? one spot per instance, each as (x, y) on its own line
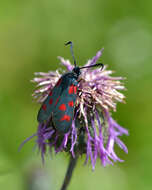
(93, 132)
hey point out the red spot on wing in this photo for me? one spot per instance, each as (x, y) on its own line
(71, 104)
(75, 89)
(56, 101)
(59, 82)
(44, 107)
(65, 118)
(50, 94)
(50, 101)
(72, 89)
(62, 107)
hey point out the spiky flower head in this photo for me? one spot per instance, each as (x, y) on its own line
(93, 132)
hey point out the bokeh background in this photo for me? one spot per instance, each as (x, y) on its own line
(32, 35)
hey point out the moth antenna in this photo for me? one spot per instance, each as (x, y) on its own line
(95, 65)
(71, 49)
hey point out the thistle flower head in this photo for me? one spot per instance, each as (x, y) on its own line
(93, 132)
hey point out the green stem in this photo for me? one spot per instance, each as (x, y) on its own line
(69, 172)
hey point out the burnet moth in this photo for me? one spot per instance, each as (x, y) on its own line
(59, 105)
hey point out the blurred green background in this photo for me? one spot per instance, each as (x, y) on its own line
(32, 35)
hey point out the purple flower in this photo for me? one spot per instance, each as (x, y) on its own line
(93, 132)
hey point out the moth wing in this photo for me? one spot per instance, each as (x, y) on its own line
(49, 104)
(62, 115)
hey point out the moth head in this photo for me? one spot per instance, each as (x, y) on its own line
(76, 71)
